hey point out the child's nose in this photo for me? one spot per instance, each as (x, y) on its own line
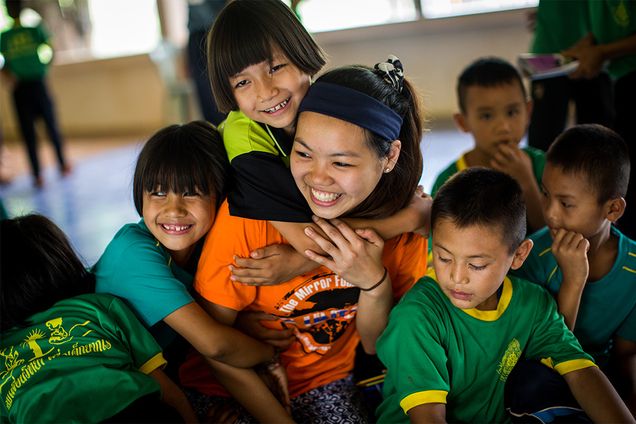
(458, 274)
(266, 89)
(175, 207)
(319, 176)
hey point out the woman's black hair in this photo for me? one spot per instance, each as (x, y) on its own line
(245, 33)
(182, 158)
(395, 189)
(38, 269)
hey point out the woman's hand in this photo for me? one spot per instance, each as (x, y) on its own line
(250, 323)
(356, 255)
(270, 265)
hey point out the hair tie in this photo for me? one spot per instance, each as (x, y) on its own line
(392, 72)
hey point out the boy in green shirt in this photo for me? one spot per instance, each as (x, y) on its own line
(495, 110)
(581, 258)
(455, 337)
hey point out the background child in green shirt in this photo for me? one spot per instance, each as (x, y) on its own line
(70, 355)
(495, 110)
(583, 260)
(454, 338)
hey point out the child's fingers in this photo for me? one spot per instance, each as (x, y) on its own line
(319, 259)
(370, 236)
(246, 263)
(326, 245)
(332, 231)
(265, 252)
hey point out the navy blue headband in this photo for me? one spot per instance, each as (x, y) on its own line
(352, 106)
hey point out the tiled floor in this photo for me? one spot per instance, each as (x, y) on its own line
(93, 202)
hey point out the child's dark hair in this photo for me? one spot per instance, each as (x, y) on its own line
(396, 188)
(14, 7)
(182, 158)
(38, 269)
(483, 197)
(598, 154)
(487, 72)
(246, 32)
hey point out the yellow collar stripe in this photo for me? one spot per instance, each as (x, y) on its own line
(504, 301)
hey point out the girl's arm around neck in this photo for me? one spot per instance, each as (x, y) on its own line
(217, 341)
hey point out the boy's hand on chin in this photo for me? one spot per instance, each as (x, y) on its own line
(513, 161)
(570, 251)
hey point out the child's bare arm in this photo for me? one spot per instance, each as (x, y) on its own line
(570, 251)
(217, 341)
(174, 396)
(597, 396)
(432, 413)
(516, 163)
(415, 217)
(625, 356)
(244, 384)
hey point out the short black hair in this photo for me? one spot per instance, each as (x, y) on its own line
(483, 197)
(487, 72)
(245, 33)
(597, 153)
(182, 158)
(14, 7)
(395, 189)
(38, 268)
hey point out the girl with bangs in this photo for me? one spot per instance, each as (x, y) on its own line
(180, 180)
(261, 64)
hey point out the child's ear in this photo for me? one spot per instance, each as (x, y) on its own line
(460, 121)
(521, 253)
(614, 208)
(529, 106)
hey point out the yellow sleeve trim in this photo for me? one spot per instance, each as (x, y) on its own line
(153, 363)
(420, 398)
(573, 365)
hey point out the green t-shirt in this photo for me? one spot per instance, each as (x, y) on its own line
(553, 32)
(536, 156)
(137, 268)
(83, 360)
(20, 45)
(612, 20)
(437, 353)
(601, 316)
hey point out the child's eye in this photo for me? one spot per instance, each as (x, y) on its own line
(477, 267)
(567, 205)
(277, 68)
(485, 116)
(191, 194)
(513, 112)
(443, 260)
(241, 83)
(342, 164)
(302, 154)
(158, 193)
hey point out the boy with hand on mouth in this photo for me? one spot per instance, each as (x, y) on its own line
(495, 110)
(462, 330)
(583, 260)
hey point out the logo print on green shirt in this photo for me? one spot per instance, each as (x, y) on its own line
(509, 360)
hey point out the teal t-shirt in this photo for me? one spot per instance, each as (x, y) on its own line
(20, 46)
(536, 156)
(612, 20)
(137, 268)
(437, 353)
(608, 306)
(83, 360)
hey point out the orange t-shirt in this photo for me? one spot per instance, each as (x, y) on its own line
(319, 305)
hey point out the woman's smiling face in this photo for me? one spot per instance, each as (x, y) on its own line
(333, 165)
